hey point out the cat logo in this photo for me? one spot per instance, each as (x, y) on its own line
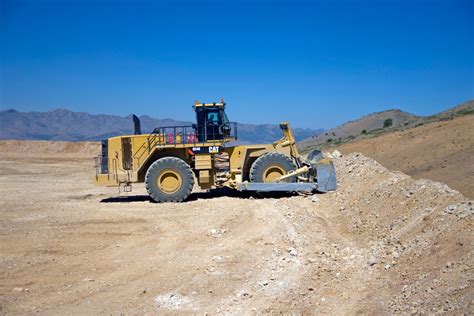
(214, 149)
(203, 150)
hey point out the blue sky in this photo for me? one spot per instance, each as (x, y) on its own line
(313, 63)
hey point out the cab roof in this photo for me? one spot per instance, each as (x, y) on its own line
(215, 104)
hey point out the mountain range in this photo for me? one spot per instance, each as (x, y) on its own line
(66, 125)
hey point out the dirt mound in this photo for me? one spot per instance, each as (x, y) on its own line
(418, 236)
(383, 243)
(440, 151)
(50, 148)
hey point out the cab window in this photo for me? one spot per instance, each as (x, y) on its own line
(212, 118)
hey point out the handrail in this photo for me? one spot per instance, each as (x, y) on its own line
(186, 134)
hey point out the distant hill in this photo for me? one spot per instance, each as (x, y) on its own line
(66, 125)
(352, 128)
(460, 110)
(373, 125)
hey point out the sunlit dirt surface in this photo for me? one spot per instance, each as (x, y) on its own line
(383, 243)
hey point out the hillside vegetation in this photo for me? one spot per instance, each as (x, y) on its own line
(351, 129)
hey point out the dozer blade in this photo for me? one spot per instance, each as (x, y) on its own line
(326, 175)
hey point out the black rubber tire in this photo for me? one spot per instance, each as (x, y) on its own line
(267, 160)
(176, 165)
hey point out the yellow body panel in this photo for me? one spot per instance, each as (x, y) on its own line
(202, 162)
(204, 176)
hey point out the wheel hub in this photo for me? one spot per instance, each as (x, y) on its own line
(272, 173)
(169, 181)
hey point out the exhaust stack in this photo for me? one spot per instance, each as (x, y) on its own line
(136, 125)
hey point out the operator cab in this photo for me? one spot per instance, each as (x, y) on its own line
(212, 122)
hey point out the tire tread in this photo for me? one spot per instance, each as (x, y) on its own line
(169, 162)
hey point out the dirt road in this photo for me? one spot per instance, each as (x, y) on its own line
(383, 243)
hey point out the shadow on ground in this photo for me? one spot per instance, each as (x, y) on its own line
(205, 195)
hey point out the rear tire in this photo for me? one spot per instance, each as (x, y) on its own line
(270, 166)
(169, 179)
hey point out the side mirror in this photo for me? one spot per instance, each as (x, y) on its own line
(226, 130)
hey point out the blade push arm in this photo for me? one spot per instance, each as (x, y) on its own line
(288, 139)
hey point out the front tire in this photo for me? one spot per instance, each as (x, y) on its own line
(169, 179)
(271, 166)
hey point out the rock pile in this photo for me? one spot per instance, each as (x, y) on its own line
(418, 235)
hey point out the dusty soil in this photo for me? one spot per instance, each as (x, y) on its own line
(383, 243)
(440, 151)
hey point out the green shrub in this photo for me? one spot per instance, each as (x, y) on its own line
(387, 123)
(465, 112)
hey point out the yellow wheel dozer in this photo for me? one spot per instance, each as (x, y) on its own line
(170, 159)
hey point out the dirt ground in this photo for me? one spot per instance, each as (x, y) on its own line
(440, 151)
(382, 243)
